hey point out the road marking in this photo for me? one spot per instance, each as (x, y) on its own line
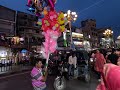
(3, 77)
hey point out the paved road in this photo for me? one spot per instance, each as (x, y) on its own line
(23, 82)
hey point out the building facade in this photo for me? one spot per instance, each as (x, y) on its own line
(7, 31)
(7, 25)
(64, 41)
(28, 28)
(90, 33)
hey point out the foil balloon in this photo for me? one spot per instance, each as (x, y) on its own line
(61, 19)
(62, 28)
(29, 3)
(55, 26)
(39, 22)
(45, 12)
(50, 21)
(55, 1)
(45, 24)
(52, 4)
(53, 15)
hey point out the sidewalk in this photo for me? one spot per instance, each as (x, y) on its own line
(5, 71)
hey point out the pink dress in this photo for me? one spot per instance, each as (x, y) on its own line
(100, 61)
(111, 78)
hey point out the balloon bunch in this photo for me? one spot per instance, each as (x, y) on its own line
(50, 22)
(53, 23)
(39, 6)
(50, 43)
(51, 29)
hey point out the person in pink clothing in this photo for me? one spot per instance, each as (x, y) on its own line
(110, 78)
(99, 63)
(38, 77)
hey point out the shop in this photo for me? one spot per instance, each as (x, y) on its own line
(5, 53)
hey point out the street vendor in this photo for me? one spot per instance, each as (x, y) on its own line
(39, 76)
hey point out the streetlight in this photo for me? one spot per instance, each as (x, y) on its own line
(71, 16)
(108, 34)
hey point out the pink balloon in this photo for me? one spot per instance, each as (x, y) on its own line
(54, 34)
(43, 52)
(53, 45)
(47, 36)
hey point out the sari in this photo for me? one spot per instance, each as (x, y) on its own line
(99, 62)
(110, 78)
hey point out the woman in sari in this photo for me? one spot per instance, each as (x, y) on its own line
(110, 78)
(99, 63)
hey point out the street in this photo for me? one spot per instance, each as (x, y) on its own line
(22, 81)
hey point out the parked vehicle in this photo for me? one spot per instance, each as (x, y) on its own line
(82, 70)
(83, 66)
(52, 68)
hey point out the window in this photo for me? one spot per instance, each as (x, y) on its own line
(37, 31)
(21, 29)
(25, 23)
(83, 23)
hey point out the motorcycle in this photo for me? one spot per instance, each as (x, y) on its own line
(52, 67)
(60, 81)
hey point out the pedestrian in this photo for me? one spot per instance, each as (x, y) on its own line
(118, 54)
(39, 76)
(110, 78)
(99, 63)
(113, 57)
(72, 61)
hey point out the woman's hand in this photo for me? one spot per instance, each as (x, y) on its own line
(118, 63)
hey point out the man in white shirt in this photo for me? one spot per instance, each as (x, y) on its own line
(72, 61)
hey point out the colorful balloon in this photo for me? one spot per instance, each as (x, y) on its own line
(62, 28)
(29, 3)
(52, 5)
(61, 19)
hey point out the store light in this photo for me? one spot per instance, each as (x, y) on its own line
(78, 43)
(77, 35)
(64, 35)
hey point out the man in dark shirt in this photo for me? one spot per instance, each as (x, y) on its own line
(113, 57)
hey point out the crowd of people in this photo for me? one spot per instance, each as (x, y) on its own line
(106, 65)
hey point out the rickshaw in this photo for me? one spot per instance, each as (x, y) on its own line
(82, 70)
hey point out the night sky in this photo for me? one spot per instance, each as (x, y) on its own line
(106, 12)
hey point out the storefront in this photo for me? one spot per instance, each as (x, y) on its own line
(5, 53)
